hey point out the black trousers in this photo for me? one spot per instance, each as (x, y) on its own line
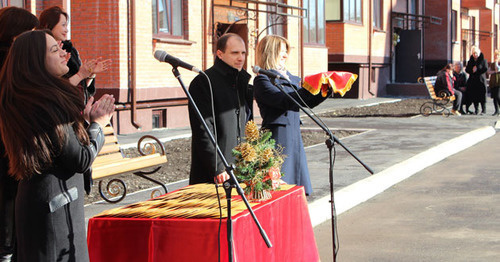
(8, 189)
(495, 94)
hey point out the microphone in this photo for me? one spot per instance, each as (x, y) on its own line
(162, 56)
(258, 70)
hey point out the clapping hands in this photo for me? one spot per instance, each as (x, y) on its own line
(100, 65)
(100, 111)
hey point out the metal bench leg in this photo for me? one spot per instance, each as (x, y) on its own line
(144, 175)
(115, 187)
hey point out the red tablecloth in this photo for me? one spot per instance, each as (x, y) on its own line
(285, 218)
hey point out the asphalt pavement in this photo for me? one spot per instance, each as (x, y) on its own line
(447, 212)
(400, 151)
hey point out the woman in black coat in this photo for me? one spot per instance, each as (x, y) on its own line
(56, 20)
(494, 72)
(48, 148)
(13, 21)
(477, 66)
(279, 114)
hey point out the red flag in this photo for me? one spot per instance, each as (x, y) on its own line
(339, 82)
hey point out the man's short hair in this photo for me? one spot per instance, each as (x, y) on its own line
(222, 42)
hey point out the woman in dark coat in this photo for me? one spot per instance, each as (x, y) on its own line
(445, 84)
(80, 74)
(477, 66)
(13, 21)
(279, 114)
(494, 72)
(56, 20)
(48, 148)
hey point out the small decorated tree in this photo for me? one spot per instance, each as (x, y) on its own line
(258, 163)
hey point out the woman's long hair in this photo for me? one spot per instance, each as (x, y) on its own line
(14, 21)
(36, 108)
(268, 51)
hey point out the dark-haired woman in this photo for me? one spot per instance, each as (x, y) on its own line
(13, 21)
(48, 148)
(83, 74)
(445, 84)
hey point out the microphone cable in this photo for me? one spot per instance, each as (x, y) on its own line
(212, 105)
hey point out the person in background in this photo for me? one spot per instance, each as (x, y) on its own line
(48, 148)
(494, 71)
(444, 83)
(460, 83)
(280, 114)
(13, 21)
(477, 66)
(56, 20)
(232, 103)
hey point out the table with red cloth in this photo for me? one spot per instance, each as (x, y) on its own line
(285, 218)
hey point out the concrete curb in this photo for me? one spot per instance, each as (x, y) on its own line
(361, 191)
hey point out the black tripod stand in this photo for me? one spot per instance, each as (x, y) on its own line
(230, 183)
(330, 143)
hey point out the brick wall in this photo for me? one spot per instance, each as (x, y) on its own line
(437, 37)
(95, 33)
(486, 43)
(335, 37)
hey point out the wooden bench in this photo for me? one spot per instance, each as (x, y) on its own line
(440, 102)
(111, 162)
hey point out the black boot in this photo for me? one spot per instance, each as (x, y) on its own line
(483, 107)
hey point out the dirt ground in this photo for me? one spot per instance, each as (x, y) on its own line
(179, 150)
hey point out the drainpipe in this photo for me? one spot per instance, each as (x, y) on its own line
(301, 43)
(204, 36)
(132, 64)
(370, 36)
(392, 49)
(422, 57)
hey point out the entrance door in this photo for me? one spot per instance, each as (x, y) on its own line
(408, 56)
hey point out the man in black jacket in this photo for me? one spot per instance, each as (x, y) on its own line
(232, 104)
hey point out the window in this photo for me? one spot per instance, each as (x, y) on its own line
(353, 11)
(5, 3)
(377, 14)
(314, 24)
(159, 118)
(495, 37)
(332, 10)
(168, 17)
(412, 7)
(473, 28)
(278, 22)
(453, 25)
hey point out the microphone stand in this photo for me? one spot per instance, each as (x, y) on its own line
(229, 184)
(330, 143)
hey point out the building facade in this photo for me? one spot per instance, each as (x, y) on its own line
(130, 31)
(391, 43)
(388, 43)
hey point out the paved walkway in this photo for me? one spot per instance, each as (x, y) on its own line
(447, 212)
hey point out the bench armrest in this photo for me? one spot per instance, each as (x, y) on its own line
(147, 147)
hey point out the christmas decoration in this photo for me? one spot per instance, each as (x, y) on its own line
(258, 163)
